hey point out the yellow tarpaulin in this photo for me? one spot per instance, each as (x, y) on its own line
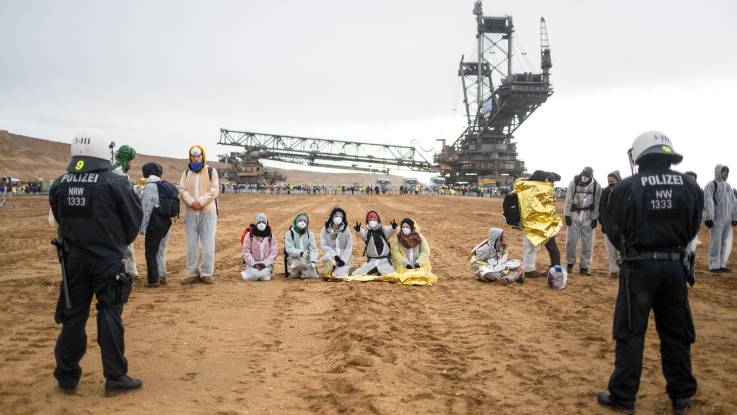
(538, 217)
(409, 277)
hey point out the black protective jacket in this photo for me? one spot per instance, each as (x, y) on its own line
(654, 211)
(97, 212)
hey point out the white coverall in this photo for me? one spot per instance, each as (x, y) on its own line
(301, 254)
(200, 226)
(378, 260)
(720, 206)
(586, 198)
(336, 243)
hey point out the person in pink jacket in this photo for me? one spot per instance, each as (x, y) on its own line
(259, 250)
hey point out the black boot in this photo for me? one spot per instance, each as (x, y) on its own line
(681, 405)
(67, 387)
(585, 271)
(605, 399)
(117, 386)
(569, 268)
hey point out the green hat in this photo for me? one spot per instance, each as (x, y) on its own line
(124, 155)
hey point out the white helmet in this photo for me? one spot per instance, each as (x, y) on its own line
(92, 144)
(90, 151)
(652, 142)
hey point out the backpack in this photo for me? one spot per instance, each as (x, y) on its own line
(510, 209)
(168, 199)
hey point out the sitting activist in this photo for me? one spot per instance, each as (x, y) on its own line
(301, 249)
(489, 260)
(156, 223)
(259, 250)
(377, 250)
(410, 249)
(337, 244)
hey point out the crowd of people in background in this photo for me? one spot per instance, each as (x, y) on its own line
(9, 185)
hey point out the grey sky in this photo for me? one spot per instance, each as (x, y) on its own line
(162, 75)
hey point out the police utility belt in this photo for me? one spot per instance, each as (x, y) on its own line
(655, 256)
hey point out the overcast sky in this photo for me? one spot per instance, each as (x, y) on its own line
(161, 75)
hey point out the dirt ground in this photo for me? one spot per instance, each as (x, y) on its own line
(459, 347)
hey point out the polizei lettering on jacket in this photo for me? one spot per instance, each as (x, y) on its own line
(662, 180)
(80, 178)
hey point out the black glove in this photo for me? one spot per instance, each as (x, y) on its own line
(339, 261)
(357, 227)
(709, 223)
(301, 254)
(593, 223)
(408, 266)
(734, 223)
(569, 221)
(417, 265)
(394, 224)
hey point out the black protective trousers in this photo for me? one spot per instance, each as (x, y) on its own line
(153, 243)
(660, 286)
(553, 251)
(87, 276)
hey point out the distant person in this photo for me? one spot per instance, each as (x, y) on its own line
(581, 215)
(611, 251)
(720, 215)
(378, 249)
(156, 225)
(337, 244)
(259, 250)
(301, 248)
(199, 188)
(410, 249)
(98, 216)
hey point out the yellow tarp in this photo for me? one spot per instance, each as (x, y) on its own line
(538, 217)
(409, 277)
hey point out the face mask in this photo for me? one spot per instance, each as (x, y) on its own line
(406, 231)
(301, 225)
(585, 179)
(337, 220)
(261, 226)
(372, 224)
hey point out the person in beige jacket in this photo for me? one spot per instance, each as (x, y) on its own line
(199, 188)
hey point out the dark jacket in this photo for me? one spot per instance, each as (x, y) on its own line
(654, 211)
(97, 212)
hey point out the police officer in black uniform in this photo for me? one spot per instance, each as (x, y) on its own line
(652, 216)
(98, 216)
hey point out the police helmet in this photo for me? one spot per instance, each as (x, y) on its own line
(91, 150)
(653, 143)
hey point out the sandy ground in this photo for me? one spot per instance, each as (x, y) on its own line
(459, 347)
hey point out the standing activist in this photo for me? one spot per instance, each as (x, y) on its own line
(199, 188)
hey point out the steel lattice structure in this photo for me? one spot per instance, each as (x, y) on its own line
(497, 102)
(321, 151)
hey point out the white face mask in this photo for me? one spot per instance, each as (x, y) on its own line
(301, 225)
(337, 220)
(584, 179)
(372, 224)
(261, 226)
(406, 231)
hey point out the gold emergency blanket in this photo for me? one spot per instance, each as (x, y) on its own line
(409, 277)
(538, 217)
